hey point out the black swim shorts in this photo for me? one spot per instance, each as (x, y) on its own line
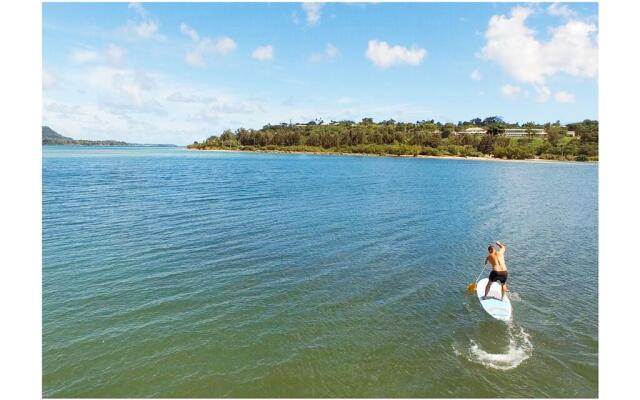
(498, 276)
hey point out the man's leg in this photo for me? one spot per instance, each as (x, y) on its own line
(505, 289)
(486, 290)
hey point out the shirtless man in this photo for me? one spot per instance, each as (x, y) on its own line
(499, 268)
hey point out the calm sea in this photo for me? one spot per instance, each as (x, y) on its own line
(176, 273)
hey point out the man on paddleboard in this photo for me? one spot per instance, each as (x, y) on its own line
(498, 268)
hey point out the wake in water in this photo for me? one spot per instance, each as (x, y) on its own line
(513, 296)
(518, 350)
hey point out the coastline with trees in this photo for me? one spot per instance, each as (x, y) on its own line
(480, 138)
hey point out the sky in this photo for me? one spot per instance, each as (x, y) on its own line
(177, 73)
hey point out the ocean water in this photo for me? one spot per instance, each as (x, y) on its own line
(176, 273)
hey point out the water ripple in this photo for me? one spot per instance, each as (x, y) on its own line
(171, 273)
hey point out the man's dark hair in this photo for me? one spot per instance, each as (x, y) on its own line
(490, 249)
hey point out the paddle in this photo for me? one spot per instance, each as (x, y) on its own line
(472, 286)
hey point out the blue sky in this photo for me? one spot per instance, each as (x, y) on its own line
(175, 73)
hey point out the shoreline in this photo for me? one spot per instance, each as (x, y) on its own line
(322, 153)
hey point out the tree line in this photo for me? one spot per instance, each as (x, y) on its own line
(416, 138)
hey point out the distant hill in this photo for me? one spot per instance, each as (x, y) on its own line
(52, 137)
(49, 137)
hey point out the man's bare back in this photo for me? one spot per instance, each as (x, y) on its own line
(494, 261)
(502, 265)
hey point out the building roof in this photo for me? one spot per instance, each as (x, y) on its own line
(475, 129)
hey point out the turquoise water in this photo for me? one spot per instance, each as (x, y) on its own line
(176, 273)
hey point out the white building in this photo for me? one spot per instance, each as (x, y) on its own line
(521, 132)
(475, 131)
(508, 132)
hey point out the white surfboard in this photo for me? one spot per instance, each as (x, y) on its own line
(498, 309)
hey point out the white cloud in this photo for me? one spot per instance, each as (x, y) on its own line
(330, 52)
(511, 91)
(233, 106)
(48, 79)
(571, 49)
(384, 56)
(144, 80)
(145, 27)
(223, 106)
(476, 75)
(263, 53)
(112, 54)
(316, 57)
(184, 28)
(206, 46)
(181, 97)
(85, 56)
(563, 97)
(561, 10)
(194, 58)
(312, 11)
(121, 86)
(63, 109)
(138, 8)
(543, 92)
(345, 100)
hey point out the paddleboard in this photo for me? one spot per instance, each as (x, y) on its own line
(498, 309)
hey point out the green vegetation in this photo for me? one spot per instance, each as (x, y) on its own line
(51, 137)
(427, 138)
